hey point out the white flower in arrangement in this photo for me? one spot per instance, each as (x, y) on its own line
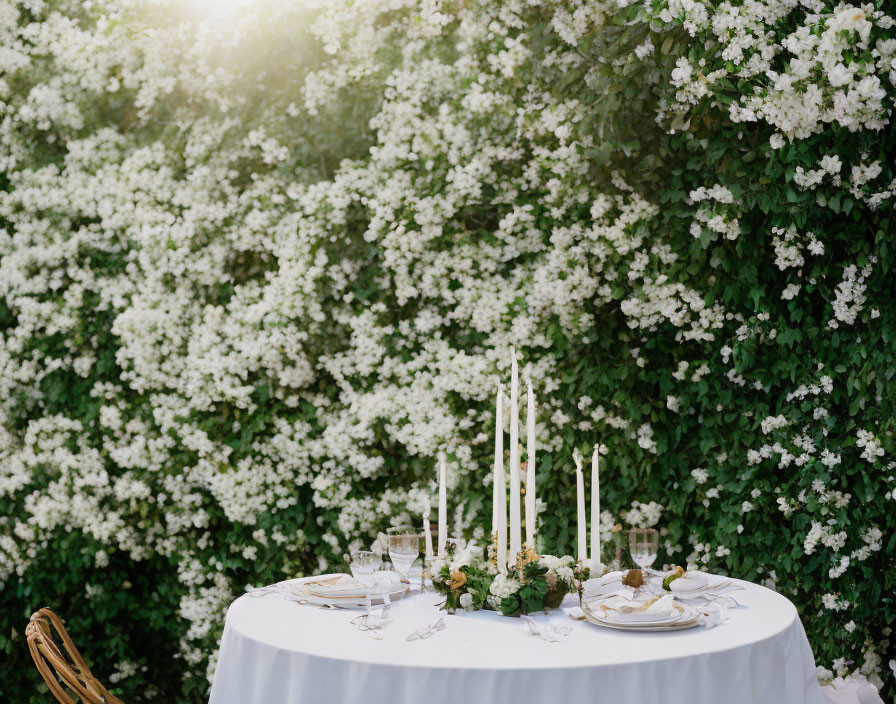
(465, 555)
(552, 562)
(503, 586)
(466, 601)
(565, 574)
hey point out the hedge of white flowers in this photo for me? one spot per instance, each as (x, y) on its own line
(260, 262)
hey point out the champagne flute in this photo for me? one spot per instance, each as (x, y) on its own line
(643, 544)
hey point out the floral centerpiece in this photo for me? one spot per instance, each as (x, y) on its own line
(471, 582)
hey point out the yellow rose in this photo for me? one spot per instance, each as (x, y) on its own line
(457, 580)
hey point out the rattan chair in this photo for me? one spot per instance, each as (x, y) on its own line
(63, 667)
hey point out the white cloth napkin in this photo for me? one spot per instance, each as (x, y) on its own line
(662, 607)
(623, 607)
(341, 586)
(605, 584)
(712, 614)
(689, 582)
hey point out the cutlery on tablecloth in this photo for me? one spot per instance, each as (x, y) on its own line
(544, 630)
(424, 633)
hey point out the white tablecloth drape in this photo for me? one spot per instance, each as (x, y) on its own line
(278, 652)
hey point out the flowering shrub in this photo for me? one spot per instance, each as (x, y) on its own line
(259, 263)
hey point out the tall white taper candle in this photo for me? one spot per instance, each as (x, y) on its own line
(516, 531)
(595, 506)
(443, 506)
(582, 552)
(428, 536)
(530, 467)
(499, 514)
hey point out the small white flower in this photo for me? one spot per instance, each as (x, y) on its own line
(502, 586)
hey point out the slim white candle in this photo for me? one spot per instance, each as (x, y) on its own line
(595, 506)
(516, 533)
(580, 496)
(443, 506)
(530, 467)
(499, 513)
(428, 536)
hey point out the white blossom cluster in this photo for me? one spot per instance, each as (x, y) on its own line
(820, 83)
(227, 273)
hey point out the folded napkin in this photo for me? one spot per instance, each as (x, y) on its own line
(620, 608)
(575, 613)
(689, 582)
(662, 606)
(712, 615)
(605, 584)
(335, 587)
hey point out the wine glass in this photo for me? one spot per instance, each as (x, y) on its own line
(643, 544)
(404, 547)
(363, 563)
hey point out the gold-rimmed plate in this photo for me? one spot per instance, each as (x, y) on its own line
(686, 618)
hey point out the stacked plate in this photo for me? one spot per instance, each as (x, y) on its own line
(343, 590)
(662, 615)
(699, 587)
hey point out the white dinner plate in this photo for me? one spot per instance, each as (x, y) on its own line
(685, 617)
(346, 601)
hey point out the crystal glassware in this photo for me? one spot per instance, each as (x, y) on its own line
(363, 563)
(643, 544)
(404, 548)
(383, 586)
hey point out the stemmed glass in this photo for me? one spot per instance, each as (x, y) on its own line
(363, 564)
(404, 547)
(643, 544)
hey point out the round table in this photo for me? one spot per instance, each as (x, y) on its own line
(274, 651)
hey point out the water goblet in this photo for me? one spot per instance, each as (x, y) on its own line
(643, 544)
(384, 585)
(363, 563)
(404, 548)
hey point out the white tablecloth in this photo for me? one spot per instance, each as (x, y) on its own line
(278, 652)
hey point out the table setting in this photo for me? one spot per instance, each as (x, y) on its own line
(500, 622)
